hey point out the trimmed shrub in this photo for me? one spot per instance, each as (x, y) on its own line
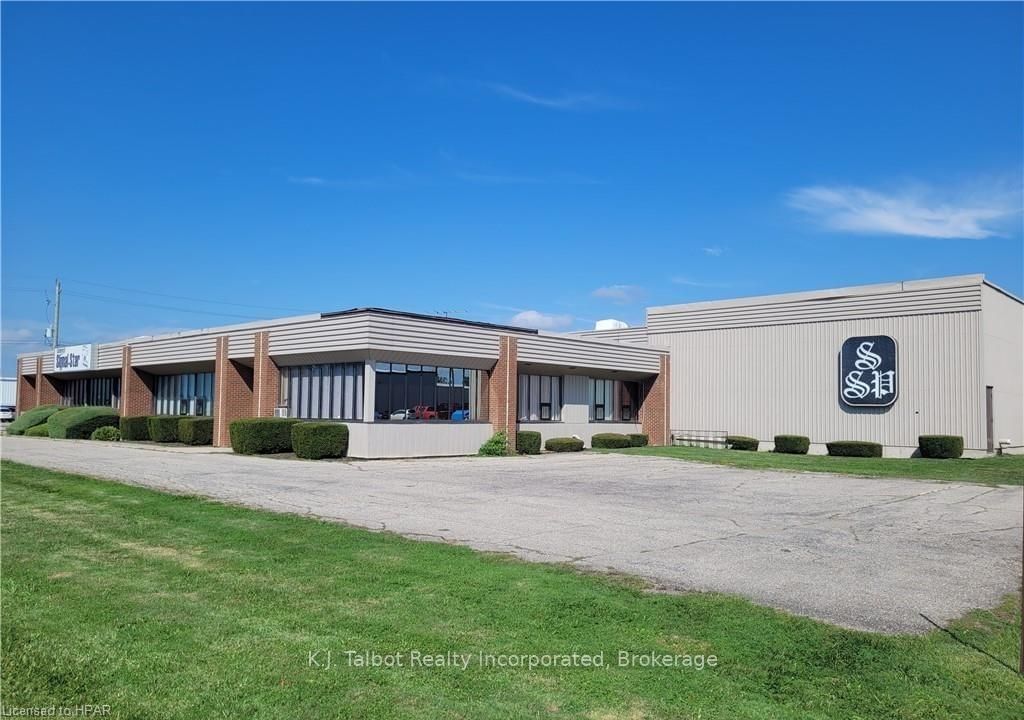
(792, 444)
(528, 442)
(568, 444)
(742, 442)
(854, 448)
(609, 440)
(496, 446)
(77, 423)
(135, 427)
(638, 439)
(163, 428)
(941, 446)
(262, 436)
(31, 418)
(108, 433)
(316, 440)
(37, 431)
(196, 430)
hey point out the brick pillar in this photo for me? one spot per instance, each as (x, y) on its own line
(266, 378)
(47, 388)
(27, 397)
(654, 409)
(502, 385)
(136, 388)
(233, 396)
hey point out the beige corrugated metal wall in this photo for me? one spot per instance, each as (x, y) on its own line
(1003, 349)
(762, 381)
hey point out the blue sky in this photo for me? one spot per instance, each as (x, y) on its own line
(541, 164)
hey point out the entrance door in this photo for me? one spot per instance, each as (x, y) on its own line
(990, 440)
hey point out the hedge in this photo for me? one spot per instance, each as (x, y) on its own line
(742, 442)
(77, 423)
(108, 433)
(609, 440)
(316, 440)
(196, 430)
(941, 446)
(37, 431)
(261, 436)
(495, 446)
(31, 418)
(528, 442)
(637, 439)
(854, 448)
(566, 444)
(792, 444)
(135, 427)
(163, 428)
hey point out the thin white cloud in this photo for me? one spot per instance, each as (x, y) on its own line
(307, 180)
(541, 321)
(565, 101)
(917, 211)
(698, 283)
(713, 251)
(621, 294)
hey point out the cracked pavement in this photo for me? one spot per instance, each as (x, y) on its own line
(864, 553)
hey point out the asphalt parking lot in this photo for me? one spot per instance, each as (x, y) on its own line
(864, 553)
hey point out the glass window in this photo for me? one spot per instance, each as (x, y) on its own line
(185, 394)
(91, 391)
(425, 392)
(540, 398)
(613, 400)
(323, 392)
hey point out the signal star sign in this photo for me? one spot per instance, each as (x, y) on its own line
(867, 371)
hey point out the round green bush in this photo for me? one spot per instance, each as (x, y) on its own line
(135, 427)
(163, 428)
(638, 439)
(941, 446)
(107, 432)
(496, 445)
(854, 448)
(563, 444)
(316, 440)
(609, 440)
(38, 431)
(792, 444)
(261, 436)
(195, 430)
(31, 418)
(741, 442)
(77, 423)
(528, 442)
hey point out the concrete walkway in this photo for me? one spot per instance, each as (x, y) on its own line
(859, 552)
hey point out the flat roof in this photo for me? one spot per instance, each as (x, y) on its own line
(834, 293)
(424, 316)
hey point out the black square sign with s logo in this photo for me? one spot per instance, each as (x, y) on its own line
(868, 375)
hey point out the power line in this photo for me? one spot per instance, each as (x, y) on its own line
(122, 301)
(183, 297)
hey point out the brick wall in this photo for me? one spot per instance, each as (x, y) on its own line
(136, 387)
(233, 393)
(654, 410)
(26, 393)
(502, 385)
(266, 378)
(47, 388)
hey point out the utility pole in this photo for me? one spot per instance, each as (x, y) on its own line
(56, 317)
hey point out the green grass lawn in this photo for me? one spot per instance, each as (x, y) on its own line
(995, 470)
(174, 607)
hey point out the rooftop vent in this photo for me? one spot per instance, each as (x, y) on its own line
(610, 324)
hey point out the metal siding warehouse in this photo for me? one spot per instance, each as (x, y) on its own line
(769, 365)
(411, 384)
